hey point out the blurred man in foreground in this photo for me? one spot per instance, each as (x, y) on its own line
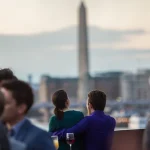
(6, 75)
(7, 143)
(18, 100)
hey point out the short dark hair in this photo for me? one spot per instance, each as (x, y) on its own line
(59, 99)
(97, 99)
(6, 74)
(2, 103)
(21, 92)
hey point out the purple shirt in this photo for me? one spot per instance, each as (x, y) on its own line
(97, 128)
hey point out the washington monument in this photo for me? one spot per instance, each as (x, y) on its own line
(83, 83)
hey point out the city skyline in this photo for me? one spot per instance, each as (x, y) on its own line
(50, 49)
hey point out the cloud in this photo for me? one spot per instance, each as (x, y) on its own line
(56, 52)
(110, 36)
(65, 37)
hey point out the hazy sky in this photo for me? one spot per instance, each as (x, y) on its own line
(30, 16)
(34, 16)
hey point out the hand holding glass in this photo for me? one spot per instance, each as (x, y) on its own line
(55, 141)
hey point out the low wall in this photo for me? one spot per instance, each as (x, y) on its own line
(128, 140)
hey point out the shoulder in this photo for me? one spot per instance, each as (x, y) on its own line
(52, 118)
(86, 119)
(77, 113)
(37, 130)
(39, 133)
(112, 121)
(32, 129)
(41, 139)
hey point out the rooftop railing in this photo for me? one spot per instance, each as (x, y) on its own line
(128, 139)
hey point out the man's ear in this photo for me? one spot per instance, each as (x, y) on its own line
(90, 105)
(22, 108)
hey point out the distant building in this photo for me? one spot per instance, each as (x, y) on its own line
(44, 89)
(108, 82)
(136, 86)
(30, 79)
(49, 85)
(68, 84)
(127, 84)
(35, 88)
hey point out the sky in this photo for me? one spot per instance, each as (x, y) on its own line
(32, 16)
(28, 17)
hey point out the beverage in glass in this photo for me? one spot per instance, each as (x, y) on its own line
(70, 139)
(55, 141)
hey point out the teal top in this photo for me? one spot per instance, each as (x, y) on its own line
(70, 118)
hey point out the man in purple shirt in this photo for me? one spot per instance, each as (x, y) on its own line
(97, 128)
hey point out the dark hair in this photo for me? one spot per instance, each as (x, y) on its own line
(97, 99)
(7, 74)
(21, 92)
(59, 99)
(2, 103)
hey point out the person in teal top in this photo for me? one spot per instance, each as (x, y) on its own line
(65, 118)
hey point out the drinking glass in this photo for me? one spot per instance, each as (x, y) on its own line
(55, 141)
(70, 139)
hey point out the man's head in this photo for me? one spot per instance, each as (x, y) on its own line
(18, 100)
(96, 101)
(6, 74)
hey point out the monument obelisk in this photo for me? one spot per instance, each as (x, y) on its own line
(83, 82)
